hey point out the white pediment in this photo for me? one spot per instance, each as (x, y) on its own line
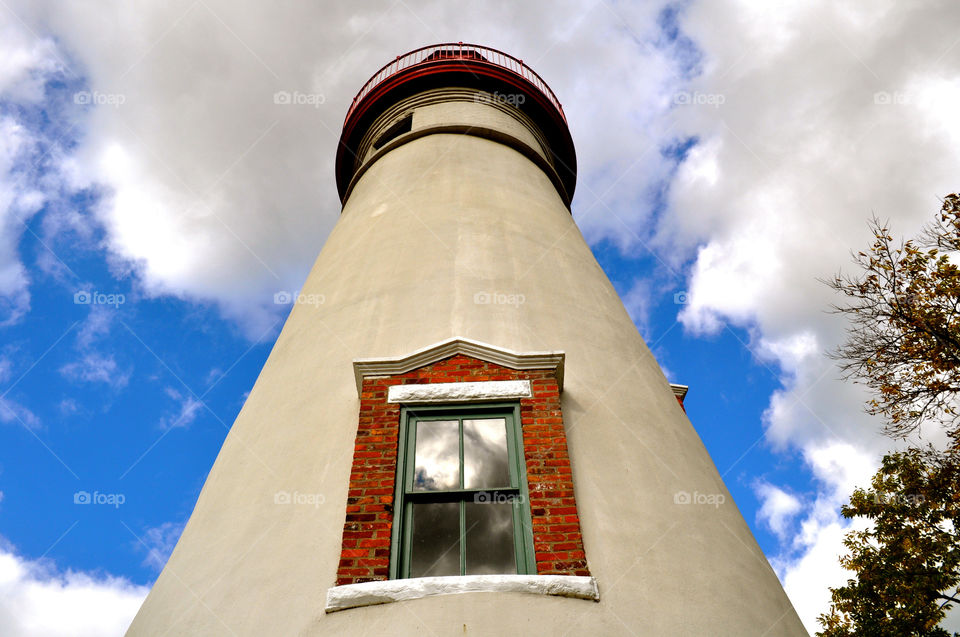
(391, 366)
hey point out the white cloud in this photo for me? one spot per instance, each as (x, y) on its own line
(13, 412)
(808, 563)
(189, 408)
(29, 178)
(10, 410)
(96, 368)
(824, 121)
(36, 600)
(68, 407)
(26, 62)
(732, 278)
(159, 542)
(213, 376)
(818, 563)
(93, 366)
(778, 508)
(95, 326)
(15, 143)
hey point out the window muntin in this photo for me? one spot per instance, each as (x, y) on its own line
(461, 506)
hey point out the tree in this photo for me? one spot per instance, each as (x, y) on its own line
(904, 340)
(904, 344)
(908, 563)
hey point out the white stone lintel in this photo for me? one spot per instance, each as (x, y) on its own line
(459, 392)
(398, 590)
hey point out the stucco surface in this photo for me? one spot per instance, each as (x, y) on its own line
(430, 226)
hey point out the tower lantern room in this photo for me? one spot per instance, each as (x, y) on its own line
(495, 78)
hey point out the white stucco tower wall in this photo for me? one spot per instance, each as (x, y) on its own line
(468, 198)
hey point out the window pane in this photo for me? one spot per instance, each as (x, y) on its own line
(437, 464)
(435, 539)
(485, 454)
(489, 538)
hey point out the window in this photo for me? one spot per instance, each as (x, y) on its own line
(461, 498)
(396, 129)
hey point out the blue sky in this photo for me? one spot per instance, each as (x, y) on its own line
(729, 155)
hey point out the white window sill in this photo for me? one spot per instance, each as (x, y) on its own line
(397, 590)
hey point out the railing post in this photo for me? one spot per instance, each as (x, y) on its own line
(446, 51)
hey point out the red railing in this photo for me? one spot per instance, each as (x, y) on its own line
(451, 51)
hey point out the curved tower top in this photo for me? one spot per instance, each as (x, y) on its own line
(464, 65)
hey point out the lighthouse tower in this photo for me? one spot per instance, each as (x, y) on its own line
(459, 429)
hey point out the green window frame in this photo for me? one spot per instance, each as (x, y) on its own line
(416, 508)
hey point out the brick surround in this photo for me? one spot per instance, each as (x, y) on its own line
(558, 545)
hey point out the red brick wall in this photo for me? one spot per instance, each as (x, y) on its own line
(558, 545)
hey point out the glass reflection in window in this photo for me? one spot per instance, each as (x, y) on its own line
(437, 465)
(489, 538)
(485, 454)
(435, 542)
